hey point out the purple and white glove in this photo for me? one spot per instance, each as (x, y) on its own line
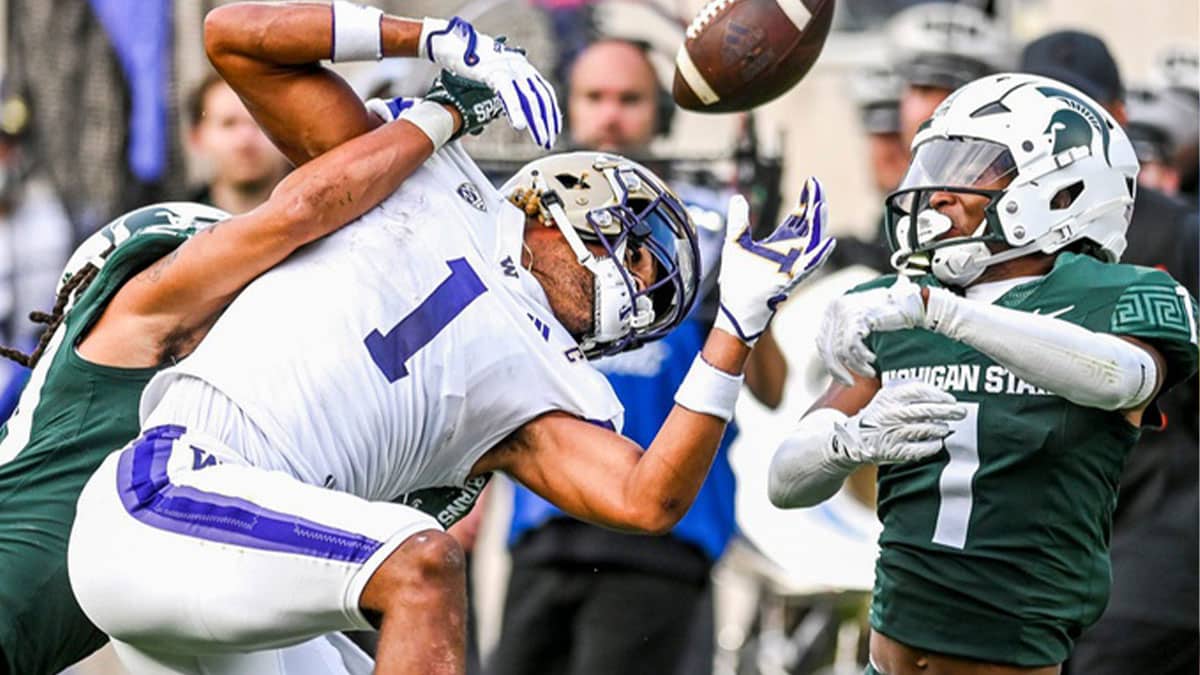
(528, 99)
(758, 275)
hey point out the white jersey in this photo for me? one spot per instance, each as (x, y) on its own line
(390, 355)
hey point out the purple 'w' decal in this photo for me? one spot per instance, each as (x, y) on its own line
(448, 300)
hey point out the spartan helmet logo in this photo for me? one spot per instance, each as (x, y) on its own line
(1075, 125)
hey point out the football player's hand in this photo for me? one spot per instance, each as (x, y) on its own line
(841, 338)
(476, 103)
(902, 423)
(527, 97)
(756, 276)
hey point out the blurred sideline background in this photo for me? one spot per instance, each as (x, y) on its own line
(80, 133)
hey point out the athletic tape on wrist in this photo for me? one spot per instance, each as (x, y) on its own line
(357, 32)
(708, 390)
(433, 119)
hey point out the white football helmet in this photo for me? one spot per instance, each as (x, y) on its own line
(946, 44)
(1055, 165)
(1177, 66)
(1161, 122)
(876, 91)
(615, 202)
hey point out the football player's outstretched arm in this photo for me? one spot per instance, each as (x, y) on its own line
(598, 475)
(849, 426)
(1092, 369)
(270, 54)
(177, 298)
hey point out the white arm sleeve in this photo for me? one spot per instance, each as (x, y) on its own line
(805, 470)
(1096, 370)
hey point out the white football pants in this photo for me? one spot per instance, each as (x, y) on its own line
(180, 549)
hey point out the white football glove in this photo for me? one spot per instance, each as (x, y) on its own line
(841, 339)
(528, 99)
(756, 276)
(902, 423)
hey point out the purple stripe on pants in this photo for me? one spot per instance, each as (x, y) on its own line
(148, 495)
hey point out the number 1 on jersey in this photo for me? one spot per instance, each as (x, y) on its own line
(954, 485)
(390, 352)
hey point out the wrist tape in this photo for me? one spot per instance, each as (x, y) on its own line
(357, 32)
(708, 390)
(433, 119)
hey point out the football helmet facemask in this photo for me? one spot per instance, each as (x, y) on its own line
(1054, 165)
(608, 200)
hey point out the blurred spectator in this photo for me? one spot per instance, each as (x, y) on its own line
(615, 102)
(590, 601)
(938, 47)
(1177, 67)
(1161, 125)
(243, 166)
(35, 240)
(466, 533)
(1150, 625)
(573, 28)
(876, 92)
(105, 132)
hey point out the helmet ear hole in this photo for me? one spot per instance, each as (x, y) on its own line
(1065, 197)
(571, 181)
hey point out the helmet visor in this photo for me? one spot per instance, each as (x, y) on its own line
(956, 163)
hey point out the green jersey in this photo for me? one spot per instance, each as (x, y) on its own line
(996, 549)
(71, 415)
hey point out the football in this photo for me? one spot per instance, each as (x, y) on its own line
(739, 54)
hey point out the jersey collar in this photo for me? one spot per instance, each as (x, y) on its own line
(510, 242)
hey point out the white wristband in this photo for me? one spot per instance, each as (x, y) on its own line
(433, 119)
(357, 32)
(708, 390)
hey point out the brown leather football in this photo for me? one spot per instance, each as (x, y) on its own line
(743, 53)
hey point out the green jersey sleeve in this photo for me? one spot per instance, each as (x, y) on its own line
(1158, 310)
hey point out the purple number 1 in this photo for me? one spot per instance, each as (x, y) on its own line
(448, 300)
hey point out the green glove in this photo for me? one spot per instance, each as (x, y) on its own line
(475, 102)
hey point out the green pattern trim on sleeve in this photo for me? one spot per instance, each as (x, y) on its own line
(1155, 311)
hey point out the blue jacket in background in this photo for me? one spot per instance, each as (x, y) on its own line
(645, 381)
